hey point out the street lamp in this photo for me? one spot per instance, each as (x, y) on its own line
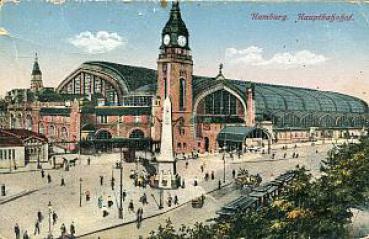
(120, 209)
(50, 236)
(224, 171)
(161, 199)
(80, 192)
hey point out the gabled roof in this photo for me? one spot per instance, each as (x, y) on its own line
(18, 136)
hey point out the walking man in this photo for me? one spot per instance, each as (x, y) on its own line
(124, 195)
(130, 206)
(39, 216)
(219, 184)
(42, 173)
(212, 175)
(62, 230)
(112, 183)
(101, 180)
(175, 200)
(186, 164)
(62, 182)
(233, 173)
(37, 227)
(48, 178)
(17, 231)
(25, 235)
(55, 217)
(72, 229)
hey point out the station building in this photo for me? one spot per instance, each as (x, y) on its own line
(104, 105)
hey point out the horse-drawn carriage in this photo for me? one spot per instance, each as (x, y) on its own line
(245, 180)
(198, 202)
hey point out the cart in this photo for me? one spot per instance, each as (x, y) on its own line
(198, 202)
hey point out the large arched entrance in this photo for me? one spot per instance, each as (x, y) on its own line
(215, 108)
(103, 141)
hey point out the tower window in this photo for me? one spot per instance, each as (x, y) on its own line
(182, 94)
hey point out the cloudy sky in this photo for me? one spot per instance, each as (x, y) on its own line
(329, 55)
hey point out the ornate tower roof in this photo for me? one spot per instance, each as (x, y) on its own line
(36, 68)
(175, 27)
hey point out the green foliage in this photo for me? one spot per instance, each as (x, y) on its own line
(309, 208)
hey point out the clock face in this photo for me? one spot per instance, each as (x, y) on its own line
(182, 41)
(166, 39)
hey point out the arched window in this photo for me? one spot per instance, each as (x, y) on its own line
(137, 134)
(29, 122)
(64, 132)
(51, 130)
(182, 94)
(41, 129)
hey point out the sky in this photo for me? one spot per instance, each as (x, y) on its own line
(255, 40)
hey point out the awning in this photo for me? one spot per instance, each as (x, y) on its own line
(238, 134)
(234, 134)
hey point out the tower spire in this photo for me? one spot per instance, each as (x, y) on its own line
(36, 76)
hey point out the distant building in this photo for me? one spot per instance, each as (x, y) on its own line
(19, 147)
(104, 105)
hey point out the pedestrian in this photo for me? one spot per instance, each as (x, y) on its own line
(206, 176)
(17, 231)
(110, 202)
(195, 182)
(284, 155)
(219, 184)
(273, 155)
(55, 217)
(48, 178)
(169, 200)
(100, 201)
(293, 155)
(72, 229)
(144, 199)
(37, 227)
(202, 168)
(42, 173)
(141, 214)
(63, 231)
(112, 183)
(183, 184)
(101, 180)
(186, 164)
(88, 161)
(233, 173)
(175, 200)
(25, 235)
(39, 216)
(130, 206)
(62, 183)
(138, 215)
(124, 195)
(212, 175)
(316, 151)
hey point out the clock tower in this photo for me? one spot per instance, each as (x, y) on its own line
(174, 81)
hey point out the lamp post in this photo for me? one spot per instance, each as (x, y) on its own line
(161, 199)
(224, 171)
(50, 235)
(80, 192)
(120, 210)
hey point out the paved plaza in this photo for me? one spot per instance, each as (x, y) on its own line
(88, 218)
